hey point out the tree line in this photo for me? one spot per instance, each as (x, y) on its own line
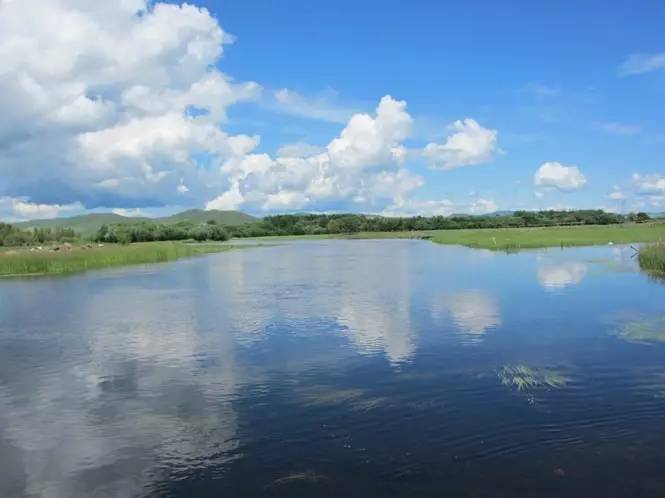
(309, 224)
(315, 224)
(12, 236)
(145, 231)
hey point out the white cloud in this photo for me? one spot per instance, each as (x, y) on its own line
(20, 209)
(414, 207)
(121, 109)
(129, 213)
(483, 206)
(361, 166)
(442, 207)
(556, 175)
(321, 107)
(642, 63)
(649, 184)
(102, 111)
(470, 144)
(617, 196)
(299, 149)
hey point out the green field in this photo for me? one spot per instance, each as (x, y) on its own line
(509, 239)
(24, 262)
(528, 238)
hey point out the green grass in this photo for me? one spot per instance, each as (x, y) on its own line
(652, 258)
(528, 238)
(34, 263)
(509, 239)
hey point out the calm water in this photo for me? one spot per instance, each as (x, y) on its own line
(337, 368)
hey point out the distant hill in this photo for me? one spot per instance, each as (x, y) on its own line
(88, 224)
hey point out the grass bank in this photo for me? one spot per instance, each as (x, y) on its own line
(508, 239)
(652, 258)
(24, 262)
(529, 238)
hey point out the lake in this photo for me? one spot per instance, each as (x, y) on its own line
(394, 368)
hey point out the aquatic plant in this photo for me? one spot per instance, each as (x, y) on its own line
(81, 258)
(644, 330)
(355, 399)
(652, 258)
(308, 476)
(525, 378)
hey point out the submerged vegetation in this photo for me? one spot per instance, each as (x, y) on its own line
(644, 330)
(525, 379)
(80, 258)
(652, 258)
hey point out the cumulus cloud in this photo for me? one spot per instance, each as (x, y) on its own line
(126, 109)
(20, 209)
(115, 108)
(649, 184)
(361, 166)
(556, 175)
(469, 144)
(642, 63)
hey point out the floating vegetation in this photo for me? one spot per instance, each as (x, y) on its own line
(307, 477)
(526, 379)
(356, 399)
(644, 330)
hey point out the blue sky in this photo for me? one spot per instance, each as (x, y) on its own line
(576, 88)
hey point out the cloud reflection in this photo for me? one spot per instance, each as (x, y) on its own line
(474, 312)
(555, 276)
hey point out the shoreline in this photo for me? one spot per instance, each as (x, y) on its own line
(67, 259)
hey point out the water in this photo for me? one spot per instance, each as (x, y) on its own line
(337, 368)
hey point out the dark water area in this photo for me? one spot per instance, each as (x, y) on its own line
(338, 369)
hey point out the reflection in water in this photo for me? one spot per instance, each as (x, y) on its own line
(271, 372)
(139, 402)
(375, 302)
(473, 312)
(554, 276)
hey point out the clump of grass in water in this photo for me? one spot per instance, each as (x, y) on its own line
(645, 330)
(355, 399)
(32, 263)
(526, 379)
(652, 258)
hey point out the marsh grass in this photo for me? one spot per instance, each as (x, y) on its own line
(526, 379)
(644, 330)
(652, 258)
(515, 239)
(37, 263)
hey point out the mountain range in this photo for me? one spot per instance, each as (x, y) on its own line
(88, 224)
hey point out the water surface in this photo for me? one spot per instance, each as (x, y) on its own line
(337, 368)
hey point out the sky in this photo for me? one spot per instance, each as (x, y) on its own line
(395, 108)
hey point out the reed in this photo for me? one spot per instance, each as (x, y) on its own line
(26, 262)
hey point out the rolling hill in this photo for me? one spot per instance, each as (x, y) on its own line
(88, 224)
